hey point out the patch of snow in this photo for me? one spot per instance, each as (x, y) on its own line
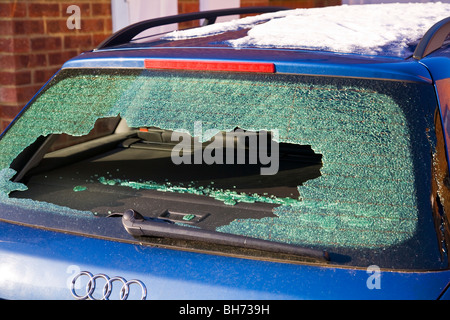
(373, 29)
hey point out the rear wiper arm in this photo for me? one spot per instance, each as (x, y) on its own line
(138, 225)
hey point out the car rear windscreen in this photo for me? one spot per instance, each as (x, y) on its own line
(371, 142)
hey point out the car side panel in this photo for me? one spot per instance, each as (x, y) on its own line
(439, 68)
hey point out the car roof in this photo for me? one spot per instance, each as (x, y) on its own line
(122, 50)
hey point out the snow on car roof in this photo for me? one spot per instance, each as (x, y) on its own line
(373, 29)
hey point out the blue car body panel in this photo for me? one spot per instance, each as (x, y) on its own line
(36, 263)
(439, 67)
(288, 61)
(41, 264)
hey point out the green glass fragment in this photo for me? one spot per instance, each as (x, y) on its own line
(226, 196)
(188, 217)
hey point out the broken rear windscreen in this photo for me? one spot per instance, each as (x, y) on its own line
(329, 163)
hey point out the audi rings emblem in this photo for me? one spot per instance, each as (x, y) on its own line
(107, 287)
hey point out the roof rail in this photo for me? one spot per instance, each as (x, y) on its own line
(126, 34)
(433, 39)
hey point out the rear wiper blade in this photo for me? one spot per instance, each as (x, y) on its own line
(138, 225)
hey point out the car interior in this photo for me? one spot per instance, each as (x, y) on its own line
(132, 168)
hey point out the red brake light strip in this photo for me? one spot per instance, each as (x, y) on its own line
(210, 65)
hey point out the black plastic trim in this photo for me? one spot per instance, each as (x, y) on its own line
(126, 34)
(433, 39)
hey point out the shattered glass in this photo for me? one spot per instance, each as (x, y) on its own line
(7, 186)
(229, 197)
(373, 136)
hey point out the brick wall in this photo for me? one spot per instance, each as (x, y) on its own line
(35, 41)
(185, 6)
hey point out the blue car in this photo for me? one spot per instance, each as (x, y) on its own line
(194, 167)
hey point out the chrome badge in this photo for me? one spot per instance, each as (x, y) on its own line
(108, 288)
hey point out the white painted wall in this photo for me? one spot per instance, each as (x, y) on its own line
(126, 12)
(206, 5)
